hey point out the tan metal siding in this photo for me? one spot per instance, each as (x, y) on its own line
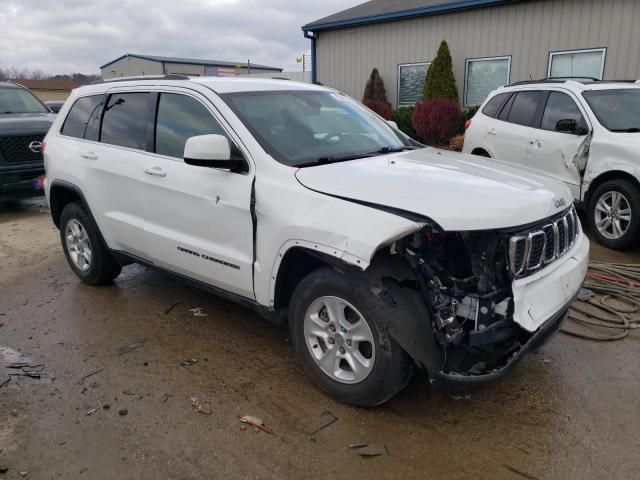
(526, 30)
(128, 66)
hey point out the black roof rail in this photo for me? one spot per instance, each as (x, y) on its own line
(170, 76)
(280, 78)
(584, 80)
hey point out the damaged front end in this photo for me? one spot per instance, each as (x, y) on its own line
(466, 281)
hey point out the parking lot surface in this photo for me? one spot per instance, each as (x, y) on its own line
(105, 411)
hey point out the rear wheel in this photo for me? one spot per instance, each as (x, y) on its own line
(337, 328)
(614, 214)
(87, 255)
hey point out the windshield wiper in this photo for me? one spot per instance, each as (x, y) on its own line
(381, 151)
(627, 130)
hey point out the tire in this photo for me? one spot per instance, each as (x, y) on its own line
(389, 368)
(621, 230)
(86, 254)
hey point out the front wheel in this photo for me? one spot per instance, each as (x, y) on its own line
(614, 214)
(337, 328)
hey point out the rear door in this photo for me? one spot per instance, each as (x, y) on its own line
(107, 139)
(199, 219)
(553, 152)
(510, 134)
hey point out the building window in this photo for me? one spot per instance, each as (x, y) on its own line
(482, 76)
(411, 77)
(577, 63)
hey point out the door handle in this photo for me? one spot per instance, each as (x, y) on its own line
(89, 155)
(155, 171)
(492, 132)
(537, 143)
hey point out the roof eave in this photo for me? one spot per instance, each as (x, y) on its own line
(402, 14)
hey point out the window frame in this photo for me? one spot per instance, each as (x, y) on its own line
(100, 113)
(466, 75)
(585, 117)
(107, 96)
(399, 67)
(553, 53)
(537, 116)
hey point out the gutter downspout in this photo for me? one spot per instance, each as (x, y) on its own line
(314, 70)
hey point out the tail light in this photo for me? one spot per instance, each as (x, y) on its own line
(467, 124)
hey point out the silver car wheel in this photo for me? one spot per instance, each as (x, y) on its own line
(613, 215)
(78, 245)
(339, 340)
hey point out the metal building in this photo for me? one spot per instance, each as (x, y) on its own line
(492, 42)
(134, 64)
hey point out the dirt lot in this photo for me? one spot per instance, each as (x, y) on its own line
(571, 411)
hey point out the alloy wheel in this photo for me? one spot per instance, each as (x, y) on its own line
(612, 215)
(78, 244)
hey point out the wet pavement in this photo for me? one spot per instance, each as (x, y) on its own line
(572, 411)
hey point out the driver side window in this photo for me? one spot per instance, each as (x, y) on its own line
(560, 106)
(180, 117)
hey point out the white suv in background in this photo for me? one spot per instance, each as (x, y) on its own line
(300, 203)
(584, 133)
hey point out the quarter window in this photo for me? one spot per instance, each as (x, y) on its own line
(560, 107)
(494, 105)
(524, 108)
(181, 117)
(411, 78)
(484, 75)
(125, 120)
(577, 63)
(83, 120)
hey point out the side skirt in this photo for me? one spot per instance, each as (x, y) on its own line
(270, 314)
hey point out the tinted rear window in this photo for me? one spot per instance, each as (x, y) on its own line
(524, 108)
(125, 120)
(494, 105)
(84, 118)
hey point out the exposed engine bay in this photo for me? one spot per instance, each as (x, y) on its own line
(465, 281)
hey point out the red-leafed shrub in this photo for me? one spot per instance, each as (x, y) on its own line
(381, 107)
(436, 120)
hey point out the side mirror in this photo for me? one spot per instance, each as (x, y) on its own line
(211, 151)
(570, 125)
(393, 124)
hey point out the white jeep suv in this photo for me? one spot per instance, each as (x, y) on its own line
(300, 203)
(584, 133)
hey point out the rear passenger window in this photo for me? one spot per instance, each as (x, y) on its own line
(83, 119)
(181, 117)
(494, 105)
(125, 120)
(561, 107)
(524, 108)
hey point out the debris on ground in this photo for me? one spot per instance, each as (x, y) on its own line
(123, 412)
(255, 423)
(369, 449)
(4, 381)
(166, 397)
(4, 469)
(173, 305)
(25, 369)
(24, 473)
(132, 395)
(584, 294)
(90, 374)
(323, 421)
(197, 312)
(188, 362)
(91, 411)
(466, 396)
(546, 360)
(132, 346)
(200, 406)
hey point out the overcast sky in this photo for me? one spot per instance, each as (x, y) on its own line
(64, 36)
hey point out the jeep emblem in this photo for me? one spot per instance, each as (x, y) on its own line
(559, 202)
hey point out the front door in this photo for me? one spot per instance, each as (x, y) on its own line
(198, 219)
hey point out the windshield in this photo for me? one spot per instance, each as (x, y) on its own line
(617, 110)
(302, 128)
(18, 100)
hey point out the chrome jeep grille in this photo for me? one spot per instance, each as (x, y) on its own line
(533, 249)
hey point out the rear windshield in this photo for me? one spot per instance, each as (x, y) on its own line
(617, 110)
(18, 100)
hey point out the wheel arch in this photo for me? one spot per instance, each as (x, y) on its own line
(481, 152)
(608, 176)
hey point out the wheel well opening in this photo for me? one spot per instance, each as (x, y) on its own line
(605, 177)
(59, 198)
(481, 152)
(296, 264)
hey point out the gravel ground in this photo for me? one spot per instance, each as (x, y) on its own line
(570, 411)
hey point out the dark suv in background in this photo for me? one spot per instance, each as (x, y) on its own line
(24, 121)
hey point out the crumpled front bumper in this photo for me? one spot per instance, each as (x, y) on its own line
(552, 291)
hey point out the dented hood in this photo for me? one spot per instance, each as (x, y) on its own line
(458, 191)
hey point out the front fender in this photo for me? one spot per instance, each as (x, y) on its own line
(614, 161)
